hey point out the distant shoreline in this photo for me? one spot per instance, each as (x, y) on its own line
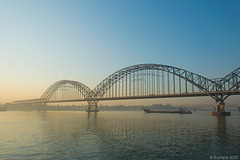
(14, 107)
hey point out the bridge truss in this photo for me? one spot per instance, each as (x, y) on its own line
(143, 81)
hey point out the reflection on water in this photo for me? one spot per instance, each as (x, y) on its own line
(221, 127)
(117, 135)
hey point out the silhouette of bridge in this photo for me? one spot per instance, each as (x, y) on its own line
(140, 82)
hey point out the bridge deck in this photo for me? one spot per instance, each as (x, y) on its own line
(136, 97)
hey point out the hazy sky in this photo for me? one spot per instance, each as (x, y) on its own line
(43, 41)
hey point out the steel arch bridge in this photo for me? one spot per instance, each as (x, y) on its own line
(143, 81)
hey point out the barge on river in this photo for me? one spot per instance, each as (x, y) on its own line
(180, 111)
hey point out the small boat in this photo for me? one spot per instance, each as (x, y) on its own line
(180, 111)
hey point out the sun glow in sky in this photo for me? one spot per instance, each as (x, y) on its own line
(42, 42)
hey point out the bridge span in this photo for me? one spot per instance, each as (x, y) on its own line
(140, 82)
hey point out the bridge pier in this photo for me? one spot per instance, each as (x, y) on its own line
(92, 104)
(220, 110)
(42, 106)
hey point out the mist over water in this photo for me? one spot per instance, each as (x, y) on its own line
(117, 135)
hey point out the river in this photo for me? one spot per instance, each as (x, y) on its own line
(118, 135)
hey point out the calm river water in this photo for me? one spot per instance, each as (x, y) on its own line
(118, 135)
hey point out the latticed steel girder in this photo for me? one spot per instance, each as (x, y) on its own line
(231, 81)
(201, 82)
(217, 89)
(30, 101)
(85, 90)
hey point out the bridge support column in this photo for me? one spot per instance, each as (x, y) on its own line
(220, 110)
(92, 104)
(42, 106)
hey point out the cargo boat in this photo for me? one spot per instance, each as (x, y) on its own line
(180, 111)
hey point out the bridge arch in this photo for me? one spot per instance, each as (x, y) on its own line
(80, 89)
(231, 81)
(143, 81)
(150, 73)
